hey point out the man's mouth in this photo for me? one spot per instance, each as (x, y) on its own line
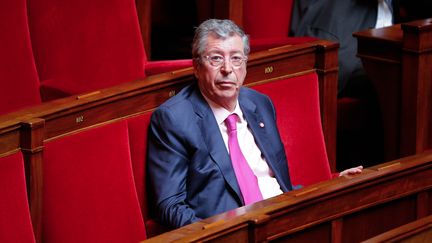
(226, 83)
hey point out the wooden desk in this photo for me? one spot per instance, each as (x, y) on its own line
(384, 197)
(398, 60)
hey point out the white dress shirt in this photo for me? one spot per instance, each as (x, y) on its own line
(267, 183)
(384, 15)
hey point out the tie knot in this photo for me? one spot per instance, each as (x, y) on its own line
(231, 122)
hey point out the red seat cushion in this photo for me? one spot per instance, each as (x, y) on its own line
(15, 222)
(296, 101)
(89, 193)
(19, 84)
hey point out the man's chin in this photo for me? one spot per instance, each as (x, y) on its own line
(227, 94)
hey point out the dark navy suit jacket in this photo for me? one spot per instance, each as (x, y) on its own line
(189, 166)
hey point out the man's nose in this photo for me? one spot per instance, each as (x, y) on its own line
(226, 66)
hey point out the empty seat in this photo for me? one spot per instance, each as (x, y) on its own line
(264, 20)
(15, 221)
(296, 101)
(268, 24)
(19, 84)
(82, 46)
(89, 192)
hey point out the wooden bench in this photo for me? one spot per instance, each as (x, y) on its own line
(417, 231)
(382, 198)
(34, 129)
(398, 60)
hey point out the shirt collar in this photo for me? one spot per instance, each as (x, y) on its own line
(221, 113)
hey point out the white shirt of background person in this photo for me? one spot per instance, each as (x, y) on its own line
(385, 14)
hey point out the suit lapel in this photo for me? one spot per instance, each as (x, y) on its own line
(254, 120)
(257, 125)
(214, 141)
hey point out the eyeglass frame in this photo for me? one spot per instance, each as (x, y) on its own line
(218, 65)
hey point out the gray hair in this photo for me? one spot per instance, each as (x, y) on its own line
(222, 29)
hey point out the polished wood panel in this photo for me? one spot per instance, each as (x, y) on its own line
(418, 231)
(340, 210)
(398, 60)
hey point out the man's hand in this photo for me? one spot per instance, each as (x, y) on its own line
(352, 171)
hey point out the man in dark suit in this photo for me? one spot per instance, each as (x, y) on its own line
(189, 164)
(215, 145)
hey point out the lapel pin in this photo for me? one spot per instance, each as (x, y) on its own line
(261, 124)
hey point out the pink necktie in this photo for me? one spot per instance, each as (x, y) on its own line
(245, 177)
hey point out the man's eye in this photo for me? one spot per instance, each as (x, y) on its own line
(216, 58)
(236, 58)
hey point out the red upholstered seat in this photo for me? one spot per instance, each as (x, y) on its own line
(15, 221)
(89, 192)
(296, 101)
(82, 46)
(19, 84)
(268, 24)
(138, 127)
(264, 19)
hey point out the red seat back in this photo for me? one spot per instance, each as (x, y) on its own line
(82, 46)
(19, 84)
(15, 222)
(264, 19)
(89, 192)
(296, 101)
(138, 128)
(268, 24)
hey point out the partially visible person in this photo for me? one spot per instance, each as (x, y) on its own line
(337, 20)
(215, 145)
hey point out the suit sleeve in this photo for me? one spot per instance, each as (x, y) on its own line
(167, 169)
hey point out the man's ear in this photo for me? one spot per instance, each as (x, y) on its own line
(196, 66)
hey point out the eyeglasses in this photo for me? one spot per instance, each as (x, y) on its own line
(218, 60)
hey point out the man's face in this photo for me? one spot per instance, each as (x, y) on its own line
(221, 84)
